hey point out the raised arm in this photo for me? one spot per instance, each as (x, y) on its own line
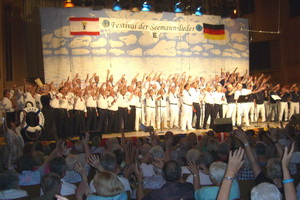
(194, 169)
(139, 177)
(91, 79)
(254, 165)
(235, 162)
(288, 185)
(87, 78)
(87, 149)
(83, 188)
(74, 80)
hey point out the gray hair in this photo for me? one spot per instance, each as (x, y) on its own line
(108, 161)
(206, 158)
(79, 146)
(274, 170)
(265, 191)
(157, 152)
(193, 155)
(145, 148)
(217, 171)
(71, 159)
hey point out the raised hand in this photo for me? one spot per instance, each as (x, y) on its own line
(235, 162)
(240, 134)
(169, 141)
(287, 155)
(78, 168)
(95, 162)
(273, 134)
(194, 169)
(86, 139)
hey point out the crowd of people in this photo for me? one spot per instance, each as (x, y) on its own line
(176, 101)
(173, 167)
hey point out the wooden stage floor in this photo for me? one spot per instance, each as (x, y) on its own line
(175, 131)
(179, 131)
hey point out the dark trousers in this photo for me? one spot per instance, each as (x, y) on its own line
(218, 110)
(79, 121)
(131, 119)
(209, 111)
(102, 120)
(91, 120)
(70, 123)
(123, 118)
(196, 112)
(64, 123)
(112, 121)
(58, 121)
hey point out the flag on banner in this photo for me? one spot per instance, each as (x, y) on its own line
(84, 26)
(214, 32)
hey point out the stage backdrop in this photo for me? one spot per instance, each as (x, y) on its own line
(82, 40)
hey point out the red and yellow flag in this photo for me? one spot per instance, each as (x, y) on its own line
(84, 26)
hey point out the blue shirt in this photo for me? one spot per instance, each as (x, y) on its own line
(122, 196)
(31, 177)
(211, 192)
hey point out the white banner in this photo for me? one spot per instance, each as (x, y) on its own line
(148, 25)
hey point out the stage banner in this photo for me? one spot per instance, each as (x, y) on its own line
(82, 40)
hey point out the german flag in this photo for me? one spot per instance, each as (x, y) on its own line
(214, 32)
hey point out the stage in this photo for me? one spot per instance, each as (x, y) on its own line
(199, 132)
(179, 131)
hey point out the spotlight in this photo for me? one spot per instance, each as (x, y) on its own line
(68, 4)
(146, 7)
(117, 5)
(135, 9)
(135, 6)
(234, 13)
(199, 11)
(178, 7)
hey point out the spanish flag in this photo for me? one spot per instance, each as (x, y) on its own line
(214, 32)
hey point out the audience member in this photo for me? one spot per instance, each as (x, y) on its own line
(9, 186)
(173, 189)
(50, 185)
